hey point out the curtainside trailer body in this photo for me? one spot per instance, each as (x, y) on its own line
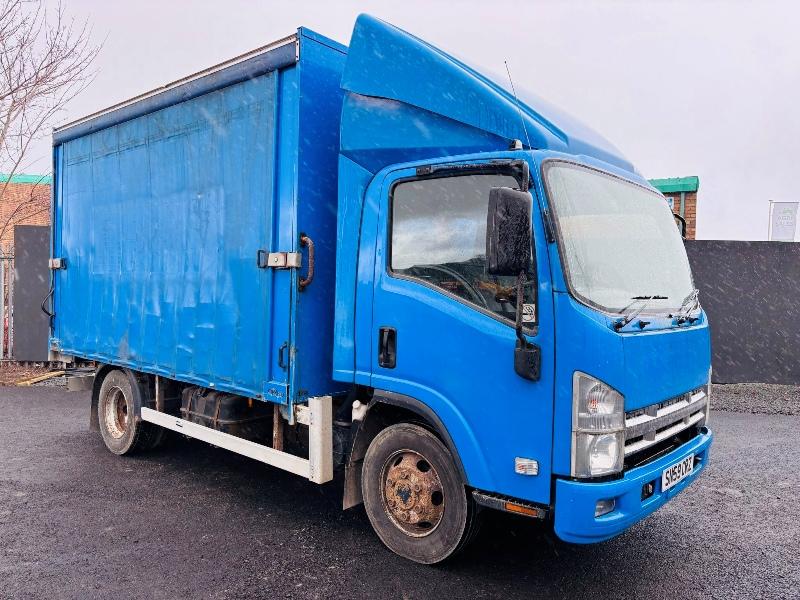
(376, 259)
(179, 215)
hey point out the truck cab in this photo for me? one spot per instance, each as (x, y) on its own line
(621, 387)
(615, 408)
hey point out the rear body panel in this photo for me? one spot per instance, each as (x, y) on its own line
(160, 217)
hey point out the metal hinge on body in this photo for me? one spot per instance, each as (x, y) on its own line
(279, 260)
(57, 263)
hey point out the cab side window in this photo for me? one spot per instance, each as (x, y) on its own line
(438, 237)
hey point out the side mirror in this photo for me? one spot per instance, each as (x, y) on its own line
(508, 252)
(681, 224)
(508, 232)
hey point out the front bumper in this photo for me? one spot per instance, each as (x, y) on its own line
(575, 501)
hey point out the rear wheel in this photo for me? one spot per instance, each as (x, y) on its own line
(414, 496)
(122, 431)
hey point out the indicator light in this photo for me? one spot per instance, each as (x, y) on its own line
(526, 466)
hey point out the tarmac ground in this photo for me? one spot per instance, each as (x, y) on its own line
(193, 521)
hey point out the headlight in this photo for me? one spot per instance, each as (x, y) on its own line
(708, 398)
(598, 427)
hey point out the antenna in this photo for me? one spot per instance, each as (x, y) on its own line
(519, 108)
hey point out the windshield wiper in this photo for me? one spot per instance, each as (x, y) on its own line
(688, 306)
(627, 317)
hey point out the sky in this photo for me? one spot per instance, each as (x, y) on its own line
(707, 88)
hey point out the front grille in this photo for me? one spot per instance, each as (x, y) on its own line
(649, 426)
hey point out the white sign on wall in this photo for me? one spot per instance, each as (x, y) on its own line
(782, 221)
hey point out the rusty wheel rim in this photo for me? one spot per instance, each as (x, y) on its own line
(412, 493)
(115, 413)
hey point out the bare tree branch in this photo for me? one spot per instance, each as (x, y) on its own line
(45, 61)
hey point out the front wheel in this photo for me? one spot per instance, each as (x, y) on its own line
(414, 496)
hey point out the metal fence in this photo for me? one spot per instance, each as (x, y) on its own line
(31, 281)
(750, 292)
(6, 302)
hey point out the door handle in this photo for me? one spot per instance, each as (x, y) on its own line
(281, 361)
(387, 347)
(304, 282)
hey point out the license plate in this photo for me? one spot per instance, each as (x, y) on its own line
(677, 472)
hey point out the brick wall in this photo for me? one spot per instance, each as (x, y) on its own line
(22, 204)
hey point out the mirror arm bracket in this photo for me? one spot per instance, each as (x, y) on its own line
(527, 356)
(521, 280)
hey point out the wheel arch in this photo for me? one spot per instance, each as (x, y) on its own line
(384, 409)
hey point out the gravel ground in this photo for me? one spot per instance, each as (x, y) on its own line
(193, 521)
(757, 398)
(58, 381)
(11, 372)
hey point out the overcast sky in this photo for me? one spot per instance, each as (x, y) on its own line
(682, 88)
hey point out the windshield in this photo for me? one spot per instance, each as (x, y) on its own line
(618, 241)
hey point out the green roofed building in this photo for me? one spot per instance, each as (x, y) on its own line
(24, 200)
(23, 178)
(682, 194)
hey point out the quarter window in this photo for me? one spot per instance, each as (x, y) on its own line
(438, 236)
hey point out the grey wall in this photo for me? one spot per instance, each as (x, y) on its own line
(751, 293)
(750, 290)
(31, 284)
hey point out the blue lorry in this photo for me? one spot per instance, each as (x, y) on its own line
(374, 265)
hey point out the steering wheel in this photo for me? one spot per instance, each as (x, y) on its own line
(477, 297)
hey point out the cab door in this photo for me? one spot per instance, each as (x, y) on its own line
(443, 330)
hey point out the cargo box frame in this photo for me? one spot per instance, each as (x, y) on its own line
(160, 242)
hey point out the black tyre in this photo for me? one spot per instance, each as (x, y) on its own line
(157, 437)
(414, 496)
(117, 416)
